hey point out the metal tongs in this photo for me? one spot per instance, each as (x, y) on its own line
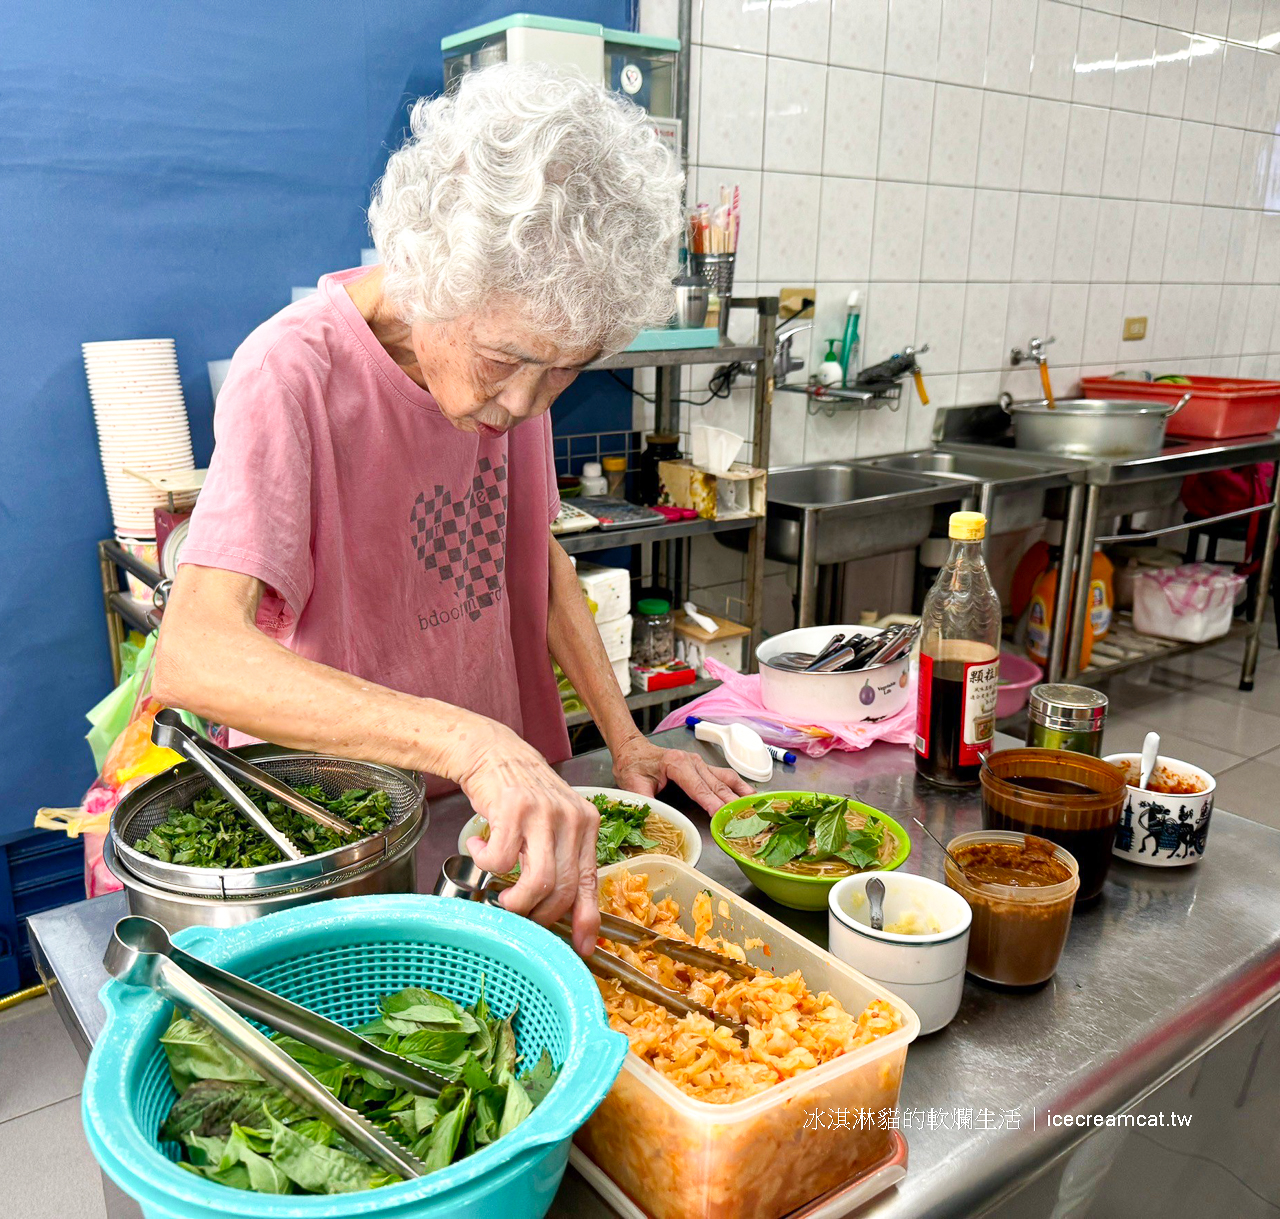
(461, 876)
(141, 954)
(216, 763)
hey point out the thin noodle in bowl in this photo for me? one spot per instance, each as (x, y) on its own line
(740, 1154)
(854, 818)
(670, 838)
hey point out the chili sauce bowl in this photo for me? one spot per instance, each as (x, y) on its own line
(926, 969)
(1159, 830)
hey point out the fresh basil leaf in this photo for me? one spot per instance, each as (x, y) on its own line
(209, 1107)
(194, 1053)
(446, 1134)
(319, 1169)
(518, 1107)
(831, 831)
(784, 844)
(540, 1078)
(861, 851)
(745, 827)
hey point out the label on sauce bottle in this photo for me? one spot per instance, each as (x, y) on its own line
(981, 689)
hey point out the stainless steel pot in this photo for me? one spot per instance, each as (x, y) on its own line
(1092, 427)
(395, 873)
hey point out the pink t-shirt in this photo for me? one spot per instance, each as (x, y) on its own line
(393, 546)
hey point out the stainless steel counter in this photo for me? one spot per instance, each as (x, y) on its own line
(1160, 969)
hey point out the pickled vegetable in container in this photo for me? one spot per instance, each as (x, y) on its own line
(959, 661)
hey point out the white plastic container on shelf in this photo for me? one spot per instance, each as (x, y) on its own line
(676, 1156)
(622, 672)
(617, 639)
(1194, 602)
(608, 587)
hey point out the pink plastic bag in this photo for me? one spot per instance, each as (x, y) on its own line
(737, 701)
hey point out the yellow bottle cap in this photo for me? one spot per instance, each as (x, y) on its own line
(967, 527)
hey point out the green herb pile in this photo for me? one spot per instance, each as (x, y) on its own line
(621, 825)
(213, 833)
(811, 829)
(240, 1131)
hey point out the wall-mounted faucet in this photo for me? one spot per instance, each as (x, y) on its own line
(1034, 353)
(784, 361)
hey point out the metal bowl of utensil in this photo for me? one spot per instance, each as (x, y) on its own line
(866, 678)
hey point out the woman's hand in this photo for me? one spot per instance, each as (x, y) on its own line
(644, 768)
(539, 821)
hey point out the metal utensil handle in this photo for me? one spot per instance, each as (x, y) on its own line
(179, 738)
(1180, 404)
(832, 645)
(605, 965)
(308, 1026)
(247, 772)
(274, 1064)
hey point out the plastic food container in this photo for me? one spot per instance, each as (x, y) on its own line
(1069, 798)
(849, 698)
(926, 968)
(679, 1158)
(1018, 933)
(1220, 407)
(1195, 601)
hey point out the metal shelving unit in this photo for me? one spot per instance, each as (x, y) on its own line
(123, 611)
(1125, 648)
(639, 700)
(611, 539)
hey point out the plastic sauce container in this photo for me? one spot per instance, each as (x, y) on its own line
(1018, 931)
(1069, 798)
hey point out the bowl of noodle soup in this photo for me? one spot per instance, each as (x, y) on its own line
(671, 832)
(870, 841)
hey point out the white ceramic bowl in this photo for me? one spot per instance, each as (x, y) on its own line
(1162, 831)
(692, 838)
(858, 697)
(927, 971)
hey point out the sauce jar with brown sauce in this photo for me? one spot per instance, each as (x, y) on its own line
(1070, 798)
(1021, 889)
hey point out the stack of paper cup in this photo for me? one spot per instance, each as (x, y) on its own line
(142, 426)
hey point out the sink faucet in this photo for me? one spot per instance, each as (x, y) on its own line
(1034, 353)
(784, 362)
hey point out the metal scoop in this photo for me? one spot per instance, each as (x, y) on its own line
(462, 877)
(141, 954)
(216, 763)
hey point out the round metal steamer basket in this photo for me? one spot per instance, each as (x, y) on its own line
(179, 896)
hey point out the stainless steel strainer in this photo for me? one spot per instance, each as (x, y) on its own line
(146, 806)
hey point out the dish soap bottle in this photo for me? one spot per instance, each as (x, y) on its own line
(959, 661)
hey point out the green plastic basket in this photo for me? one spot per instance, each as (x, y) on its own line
(339, 959)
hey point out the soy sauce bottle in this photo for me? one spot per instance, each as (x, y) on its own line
(959, 661)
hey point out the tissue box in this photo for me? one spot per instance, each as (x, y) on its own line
(617, 638)
(694, 645)
(608, 587)
(716, 497)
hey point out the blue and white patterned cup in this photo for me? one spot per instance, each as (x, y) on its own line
(1164, 830)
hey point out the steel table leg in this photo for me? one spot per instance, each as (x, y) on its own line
(807, 571)
(1058, 628)
(1254, 640)
(1080, 602)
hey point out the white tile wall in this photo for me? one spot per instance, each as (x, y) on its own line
(986, 170)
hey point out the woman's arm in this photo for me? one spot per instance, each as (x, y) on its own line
(213, 660)
(638, 765)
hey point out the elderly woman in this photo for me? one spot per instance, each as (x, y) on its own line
(370, 570)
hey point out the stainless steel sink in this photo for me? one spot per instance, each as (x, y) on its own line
(833, 512)
(1008, 490)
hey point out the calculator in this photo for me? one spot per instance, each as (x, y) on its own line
(618, 513)
(572, 520)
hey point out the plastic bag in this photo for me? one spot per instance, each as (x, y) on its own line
(737, 700)
(120, 739)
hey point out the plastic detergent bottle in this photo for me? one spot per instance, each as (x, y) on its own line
(1102, 595)
(1040, 619)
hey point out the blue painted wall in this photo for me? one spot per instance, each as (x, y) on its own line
(168, 168)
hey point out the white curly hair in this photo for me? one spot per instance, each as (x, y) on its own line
(531, 183)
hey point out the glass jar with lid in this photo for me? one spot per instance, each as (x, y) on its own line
(653, 635)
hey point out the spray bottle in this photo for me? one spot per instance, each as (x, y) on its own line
(851, 348)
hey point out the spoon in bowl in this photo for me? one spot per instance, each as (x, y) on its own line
(875, 895)
(1150, 754)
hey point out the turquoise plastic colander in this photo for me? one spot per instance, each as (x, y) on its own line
(339, 958)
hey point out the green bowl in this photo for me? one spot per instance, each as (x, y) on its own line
(787, 888)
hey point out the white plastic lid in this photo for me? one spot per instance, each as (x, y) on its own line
(592, 469)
